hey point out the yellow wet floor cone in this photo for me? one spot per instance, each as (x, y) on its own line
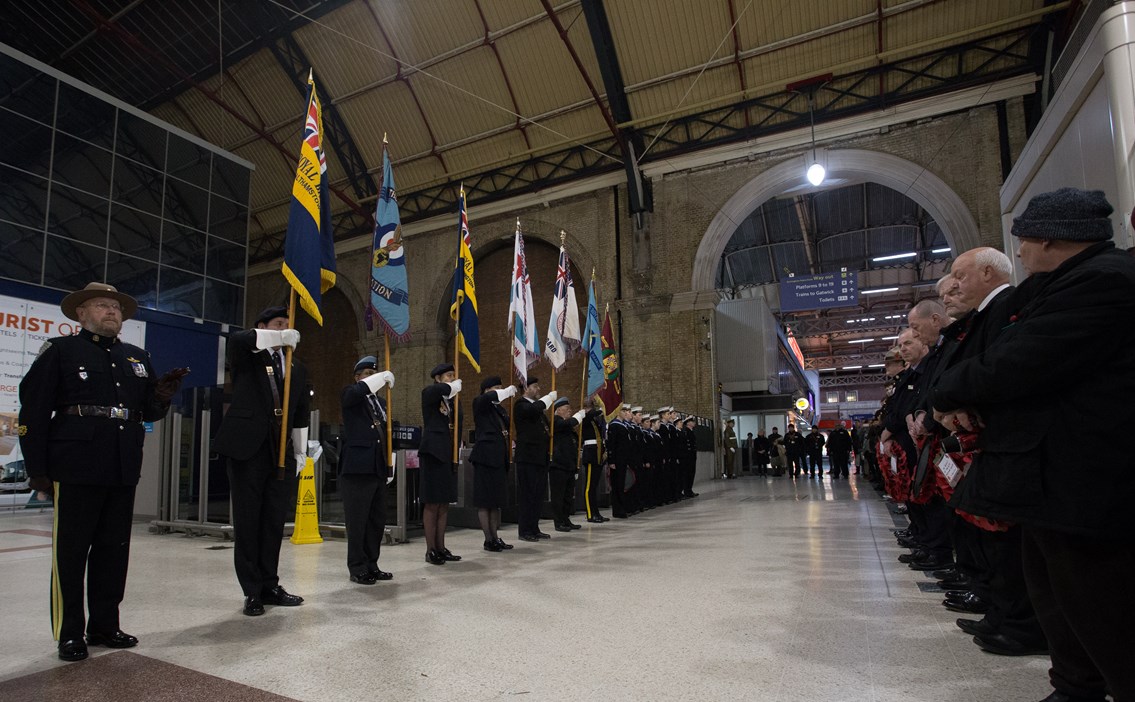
(307, 509)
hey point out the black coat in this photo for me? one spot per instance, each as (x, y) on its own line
(1050, 390)
(566, 451)
(438, 413)
(251, 418)
(620, 448)
(490, 432)
(77, 370)
(839, 441)
(531, 424)
(364, 432)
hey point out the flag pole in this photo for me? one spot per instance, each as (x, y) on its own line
(287, 389)
(389, 413)
(586, 367)
(457, 323)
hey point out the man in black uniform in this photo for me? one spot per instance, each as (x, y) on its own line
(89, 456)
(565, 464)
(794, 451)
(249, 437)
(839, 451)
(690, 457)
(815, 444)
(531, 456)
(594, 427)
(363, 470)
(620, 450)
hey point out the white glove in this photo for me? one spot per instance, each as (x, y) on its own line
(299, 441)
(301, 461)
(454, 388)
(578, 416)
(273, 338)
(379, 380)
(549, 399)
(505, 393)
(290, 337)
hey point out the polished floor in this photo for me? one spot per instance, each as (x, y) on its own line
(761, 589)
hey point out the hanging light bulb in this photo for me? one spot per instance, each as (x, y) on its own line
(816, 174)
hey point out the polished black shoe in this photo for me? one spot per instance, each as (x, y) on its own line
(493, 546)
(563, 527)
(956, 594)
(448, 555)
(931, 563)
(378, 574)
(915, 555)
(960, 583)
(529, 537)
(971, 604)
(1003, 645)
(901, 532)
(363, 579)
(596, 520)
(434, 557)
(253, 607)
(976, 627)
(947, 574)
(116, 639)
(281, 597)
(542, 535)
(72, 650)
(503, 545)
(573, 526)
(907, 542)
(691, 493)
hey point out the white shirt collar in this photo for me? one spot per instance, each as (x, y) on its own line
(990, 296)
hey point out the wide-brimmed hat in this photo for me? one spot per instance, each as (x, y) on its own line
(72, 302)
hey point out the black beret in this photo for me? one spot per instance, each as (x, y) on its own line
(532, 380)
(271, 313)
(441, 369)
(490, 382)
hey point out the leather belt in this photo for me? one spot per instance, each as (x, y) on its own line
(122, 413)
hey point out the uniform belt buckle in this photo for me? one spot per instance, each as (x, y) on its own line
(118, 412)
(279, 412)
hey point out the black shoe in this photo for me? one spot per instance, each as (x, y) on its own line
(280, 596)
(253, 607)
(901, 532)
(503, 545)
(596, 520)
(434, 557)
(529, 537)
(72, 650)
(907, 542)
(931, 563)
(605, 519)
(913, 556)
(117, 639)
(363, 579)
(574, 526)
(619, 516)
(493, 546)
(381, 574)
(957, 595)
(448, 555)
(946, 574)
(954, 584)
(542, 535)
(971, 604)
(563, 527)
(976, 627)
(1003, 645)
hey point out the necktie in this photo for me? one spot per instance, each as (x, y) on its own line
(278, 367)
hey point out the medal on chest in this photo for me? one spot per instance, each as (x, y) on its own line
(139, 367)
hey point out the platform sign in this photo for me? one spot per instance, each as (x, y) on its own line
(818, 292)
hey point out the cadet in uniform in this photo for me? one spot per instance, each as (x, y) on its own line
(438, 471)
(690, 457)
(619, 453)
(564, 467)
(531, 456)
(594, 427)
(89, 455)
(363, 470)
(490, 459)
(249, 437)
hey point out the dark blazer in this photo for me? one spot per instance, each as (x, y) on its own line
(619, 443)
(531, 424)
(251, 418)
(565, 454)
(364, 433)
(490, 432)
(78, 370)
(438, 411)
(1050, 389)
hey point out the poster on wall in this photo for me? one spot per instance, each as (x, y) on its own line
(24, 327)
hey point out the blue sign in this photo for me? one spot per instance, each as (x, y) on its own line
(817, 292)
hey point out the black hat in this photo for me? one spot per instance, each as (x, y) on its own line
(1067, 214)
(490, 382)
(441, 369)
(532, 380)
(560, 402)
(271, 313)
(366, 362)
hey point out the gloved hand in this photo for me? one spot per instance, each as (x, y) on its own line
(549, 399)
(289, 337)
(389, 377)
(301, 461)
(168, 385)
(299, 445)
(505, 393)
(273, 338)
(42, 483)
(454, 388)
(578, 416)
(378, 381)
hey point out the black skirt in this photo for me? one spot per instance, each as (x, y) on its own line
(438, 481)
(490, 486)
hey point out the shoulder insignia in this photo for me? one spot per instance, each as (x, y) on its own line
(133, 360)
(22, 430)
(46, 346)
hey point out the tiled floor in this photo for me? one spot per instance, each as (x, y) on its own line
(760, 589)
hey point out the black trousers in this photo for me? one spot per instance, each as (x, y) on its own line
(798, 464)
(1010, 609)
(91, 536)
(260, 508)
(562, 484)
(618, 490)
(816, 462)
(1080, 587)
(838, 462)
(364, 511)
(531, 488)
(691, 471)
(592, 474)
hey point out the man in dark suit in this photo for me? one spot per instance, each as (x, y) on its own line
(531, 456)
(249, 437)
(565, 463)
(1066, 349)
(363, 467)
(89, 457)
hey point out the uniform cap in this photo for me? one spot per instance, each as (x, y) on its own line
(366, 362)
(560, 402)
